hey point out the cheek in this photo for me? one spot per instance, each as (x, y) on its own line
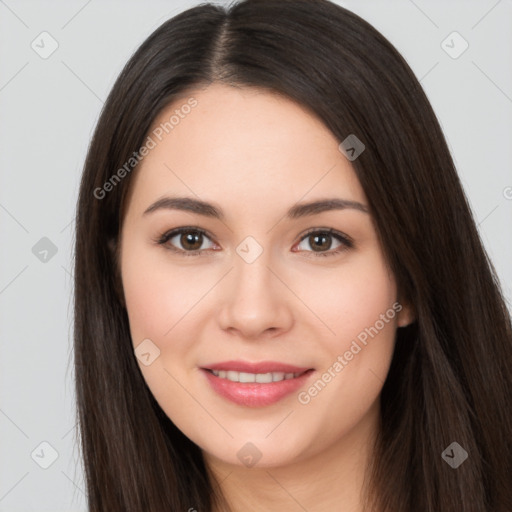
(160, 301)
(366, 304)
(158, 295)
(358, 303)
(146, 303)
(351, 298)
(358, 308)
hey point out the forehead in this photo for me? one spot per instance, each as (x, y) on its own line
(243, 143)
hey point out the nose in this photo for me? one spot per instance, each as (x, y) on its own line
(254, 301)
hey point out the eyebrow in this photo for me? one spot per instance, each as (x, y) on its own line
(297, 211)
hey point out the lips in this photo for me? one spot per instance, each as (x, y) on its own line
(261, 367)
(255, 384)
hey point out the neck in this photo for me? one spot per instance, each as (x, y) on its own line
(332, 479)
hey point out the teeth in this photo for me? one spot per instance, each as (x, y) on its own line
(262, 378)
(241, 377)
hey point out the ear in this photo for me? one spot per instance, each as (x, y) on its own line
(406, 314)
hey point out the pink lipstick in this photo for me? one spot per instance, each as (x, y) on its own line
(255, 384)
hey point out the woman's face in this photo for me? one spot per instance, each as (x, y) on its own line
(254, 284)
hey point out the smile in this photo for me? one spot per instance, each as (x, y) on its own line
(264, 385)
(261, 378)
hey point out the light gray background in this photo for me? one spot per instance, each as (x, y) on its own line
(48, 108)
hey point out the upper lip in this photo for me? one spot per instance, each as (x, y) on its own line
(259, 367)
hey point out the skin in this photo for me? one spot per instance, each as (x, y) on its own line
(255, 154)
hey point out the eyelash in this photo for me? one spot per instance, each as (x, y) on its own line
(346, 242)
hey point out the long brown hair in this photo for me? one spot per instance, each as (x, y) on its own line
(450, 377)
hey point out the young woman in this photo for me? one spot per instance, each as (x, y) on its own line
(281, 298)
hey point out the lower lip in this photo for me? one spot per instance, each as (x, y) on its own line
(255, 394)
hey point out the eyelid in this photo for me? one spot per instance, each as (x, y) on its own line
(330, 231)
(344, 239)
(165, 237)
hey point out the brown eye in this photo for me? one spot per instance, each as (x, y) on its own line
(187, 241)
(321, 242)
(191, 240)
